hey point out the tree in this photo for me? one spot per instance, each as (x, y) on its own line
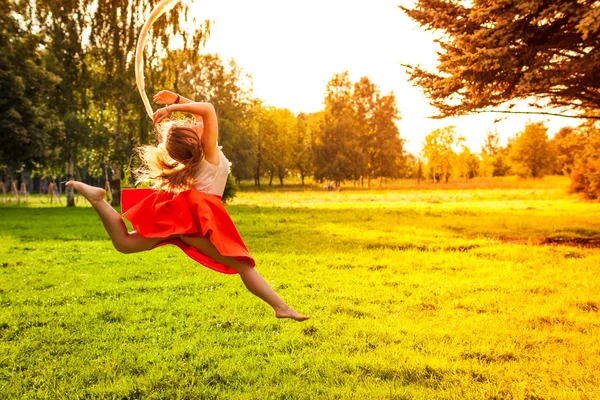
(337, 151)
(467, 164)
(27, 119)
(365, 97)
(585, 178)
(65, 24)
(494, 53)
(438, 154)
(569, 144)
(308, 126)
(494, 158)
(279, 142)
(386, 152)
(531, 152)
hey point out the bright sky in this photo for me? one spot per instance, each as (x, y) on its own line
(293, 48)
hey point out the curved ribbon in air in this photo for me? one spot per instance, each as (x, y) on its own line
(161, 8)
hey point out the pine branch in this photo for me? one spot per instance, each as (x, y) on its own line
(539, 113)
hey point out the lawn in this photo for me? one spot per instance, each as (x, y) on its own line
(413, 294)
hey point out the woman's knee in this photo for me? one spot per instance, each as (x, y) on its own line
(123, 247)
(241, 266)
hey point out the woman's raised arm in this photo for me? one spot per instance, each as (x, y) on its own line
(204, 112)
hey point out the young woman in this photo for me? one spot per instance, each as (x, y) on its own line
(188, 171)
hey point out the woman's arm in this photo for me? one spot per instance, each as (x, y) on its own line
(168, 97)
(210, 134)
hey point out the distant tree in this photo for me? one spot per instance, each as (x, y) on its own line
(531, 153)
(569, 144)
(495, 53)
(386, 149)
(467, 163)
(585, 178)
(411, 166)
(494, 158)
(308, 126)
(365, 96)
(283, 140)
(274, 132)
(337, 151)
(438, 153)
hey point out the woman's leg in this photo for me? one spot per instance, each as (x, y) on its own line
(253, 281)
(124, 241)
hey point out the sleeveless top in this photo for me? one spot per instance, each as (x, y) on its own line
(212, 178)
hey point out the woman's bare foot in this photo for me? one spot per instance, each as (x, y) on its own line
(290, 313)
(91, 193)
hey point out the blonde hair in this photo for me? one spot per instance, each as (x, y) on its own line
(172, 163)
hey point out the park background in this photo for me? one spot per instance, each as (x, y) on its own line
(452, 259)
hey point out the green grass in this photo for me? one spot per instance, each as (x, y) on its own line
(413, 294)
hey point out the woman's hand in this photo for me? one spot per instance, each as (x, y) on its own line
(160, 114)
(165, 97)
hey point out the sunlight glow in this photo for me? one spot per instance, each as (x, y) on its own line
(292, 49)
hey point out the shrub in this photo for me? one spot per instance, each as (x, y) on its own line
(231, 189)
(586, 180)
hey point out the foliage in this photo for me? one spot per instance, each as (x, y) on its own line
(337, 152)
(231, 188)
(494, 53)
(438, 153)
(585, 178)
(279, 137)
(569, 143)
(467, 163)
(531, 153)
(27, 118)
(494, 158)
(359, 137)
(302, 146)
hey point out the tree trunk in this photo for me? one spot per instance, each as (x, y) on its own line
(118, 150)
(369, 181)
(257, 171)
(13, 190)
(69, 192)
(271, 175)
(280, 173)
(116, 185)
(419, 173)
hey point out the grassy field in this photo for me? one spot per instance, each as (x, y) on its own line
(413, 294)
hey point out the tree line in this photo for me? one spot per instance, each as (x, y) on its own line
(495, 55)
(529, 154)
(70, 106)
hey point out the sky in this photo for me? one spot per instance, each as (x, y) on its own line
(293, 48)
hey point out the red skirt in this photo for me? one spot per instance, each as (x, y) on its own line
(191, 213)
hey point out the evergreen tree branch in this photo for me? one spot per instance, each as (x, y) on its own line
(539, 113)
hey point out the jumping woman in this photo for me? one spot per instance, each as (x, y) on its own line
(188, 172)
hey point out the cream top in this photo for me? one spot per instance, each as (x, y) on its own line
(212, 178)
